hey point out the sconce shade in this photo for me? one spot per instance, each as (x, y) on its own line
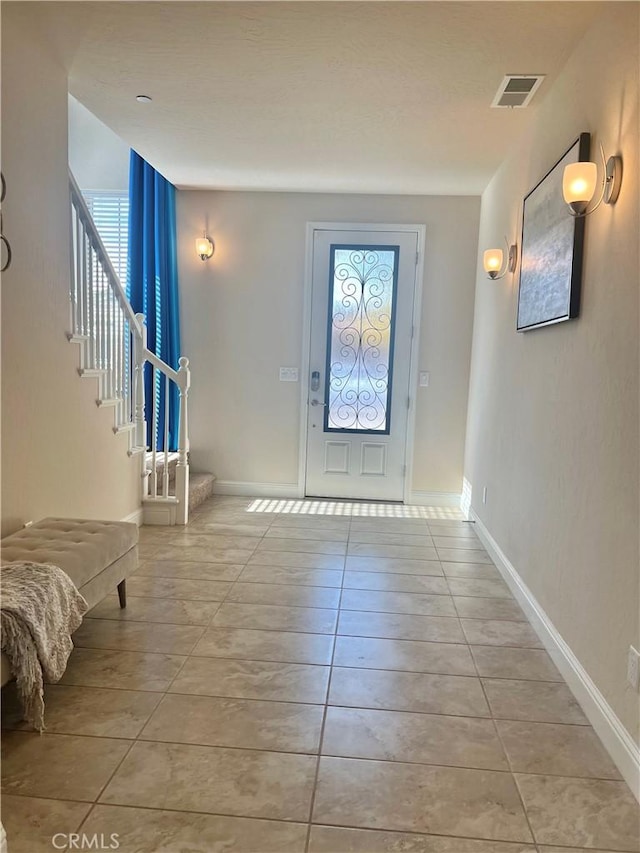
(204, 247)
(493, 259)
(579, 183)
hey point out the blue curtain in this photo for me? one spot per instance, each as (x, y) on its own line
(152, 283)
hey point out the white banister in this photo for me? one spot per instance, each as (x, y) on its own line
(154, 432)
(157, 362)
(139, 348)
(90, 234)
(113, 348)
(165, 440)
(182, 468)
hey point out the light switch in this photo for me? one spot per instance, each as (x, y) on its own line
(288, 374)
(424, 379)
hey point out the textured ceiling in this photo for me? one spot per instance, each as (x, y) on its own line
(384, 97)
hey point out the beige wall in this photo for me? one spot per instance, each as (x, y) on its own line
(98, 158)
(553, 413)
(242, 320)
(59, 454)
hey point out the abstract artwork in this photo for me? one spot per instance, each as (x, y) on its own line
(552, 242)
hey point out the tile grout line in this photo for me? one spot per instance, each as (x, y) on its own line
(309, 607)
(190, 654)
(306, 663)
(143, 726)
(418, 835)
(326, 705)
(397, 711)
(324, 717)
(126, 753)
(500, 741)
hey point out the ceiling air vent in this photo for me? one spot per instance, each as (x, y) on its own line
(516, 90)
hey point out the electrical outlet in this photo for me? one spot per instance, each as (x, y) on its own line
(484, 495)
(424, 379)
(633, 668)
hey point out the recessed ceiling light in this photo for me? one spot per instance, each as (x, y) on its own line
(143, 99)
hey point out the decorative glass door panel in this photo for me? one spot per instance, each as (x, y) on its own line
(362, 296)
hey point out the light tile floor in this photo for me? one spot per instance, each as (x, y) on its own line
(314, 676)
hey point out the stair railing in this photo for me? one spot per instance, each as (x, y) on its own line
(113, 349)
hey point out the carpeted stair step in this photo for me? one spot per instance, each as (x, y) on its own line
(200, 488)
(200, 484)
(173, 462)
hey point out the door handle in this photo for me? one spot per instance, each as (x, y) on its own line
(317, 403)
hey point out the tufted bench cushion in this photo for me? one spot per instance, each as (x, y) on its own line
(97, 555)
(81, 548)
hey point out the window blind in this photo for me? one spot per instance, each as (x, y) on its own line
(110, 211)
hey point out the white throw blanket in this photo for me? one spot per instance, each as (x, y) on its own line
(41, 608)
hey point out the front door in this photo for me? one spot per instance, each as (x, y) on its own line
(363, 286)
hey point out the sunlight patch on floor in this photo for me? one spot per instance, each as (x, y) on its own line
(353, 508)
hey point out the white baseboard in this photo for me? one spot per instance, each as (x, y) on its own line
(434, 499)
(256, 490)
(134, 517)
(292, 491)
(623, 750)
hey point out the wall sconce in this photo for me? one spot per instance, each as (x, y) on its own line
(579, 183)
(493, 260)
(204, 247)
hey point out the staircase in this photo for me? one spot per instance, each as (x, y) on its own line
(113, 352)
(200, 484)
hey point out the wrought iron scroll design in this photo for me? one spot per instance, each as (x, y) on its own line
(7, 263)
(363, 284)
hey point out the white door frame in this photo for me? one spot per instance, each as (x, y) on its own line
(312, 227)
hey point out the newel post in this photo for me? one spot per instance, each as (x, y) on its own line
(140, 345)
(182, 467)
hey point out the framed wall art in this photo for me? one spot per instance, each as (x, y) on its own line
(552, 247)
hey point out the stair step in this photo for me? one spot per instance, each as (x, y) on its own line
(173, 462)
(91, 372)
(161, 510)
(118, 430)
(200, 488)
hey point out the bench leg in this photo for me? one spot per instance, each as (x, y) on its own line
(122, 593)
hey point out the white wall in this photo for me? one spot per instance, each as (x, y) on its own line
(553, 413)
(98, 158)
(242, 320)
(59, 454)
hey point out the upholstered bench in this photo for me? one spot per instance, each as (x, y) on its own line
(97, 556)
